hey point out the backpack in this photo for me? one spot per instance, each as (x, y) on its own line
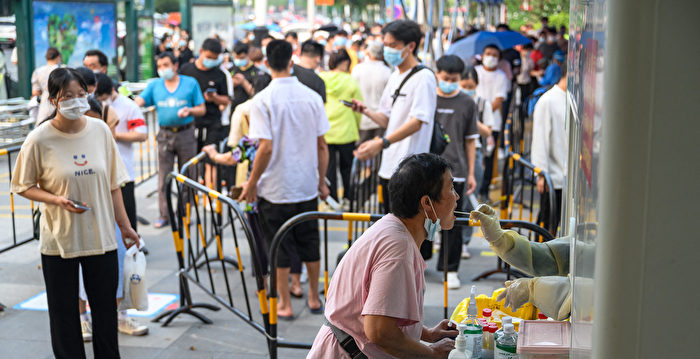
(532, 99)
(439, 139)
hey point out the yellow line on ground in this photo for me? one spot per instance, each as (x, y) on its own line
(17, 216)
(7, 206)
(488, 254)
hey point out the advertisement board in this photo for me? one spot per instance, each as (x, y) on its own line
(74, 28)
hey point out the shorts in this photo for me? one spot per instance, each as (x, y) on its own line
(210, 135)
(303, 238)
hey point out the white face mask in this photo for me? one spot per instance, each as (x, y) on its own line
(490, 61)
(73, 109)
(431, 227)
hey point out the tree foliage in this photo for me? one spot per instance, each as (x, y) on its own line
(556, 10)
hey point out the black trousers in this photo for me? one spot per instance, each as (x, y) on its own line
(340, 156)
(130, 203)
(100, 276)
(452, 239)
(488, 167)
(546, 208)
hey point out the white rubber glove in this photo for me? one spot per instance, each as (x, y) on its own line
(490, 226)
(551, 295)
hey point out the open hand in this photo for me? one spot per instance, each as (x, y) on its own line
(442, 348)
(368, 149)
(440, 331)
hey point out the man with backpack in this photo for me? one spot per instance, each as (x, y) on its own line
(407, 106)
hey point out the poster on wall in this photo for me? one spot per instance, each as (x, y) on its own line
(74, 28)
(208, 20)
(146, 63)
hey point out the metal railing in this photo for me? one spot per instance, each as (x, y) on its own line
(147, 161)
(17, 238)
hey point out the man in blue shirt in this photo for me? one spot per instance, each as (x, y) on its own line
(553, 72)
(178, 100)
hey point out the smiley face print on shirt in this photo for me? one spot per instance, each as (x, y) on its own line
(80, 160)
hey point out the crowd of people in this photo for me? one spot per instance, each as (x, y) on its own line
(307, 110)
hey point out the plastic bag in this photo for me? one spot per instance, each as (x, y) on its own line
(135, 289)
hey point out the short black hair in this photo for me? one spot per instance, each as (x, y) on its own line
(451, 64)
(105, 85)
(470, 73)
(311, 48)
(88, 75)
(503, 26)
(340, 33)
(292, 34)
(417, 175)
(492, 46)
(101, 57)
(167, 54)
(212, 45)
(337, 57)
(52, 53)
(95, 106)
(241, 48)
(405, 31)
(544, 18)
(279, 53)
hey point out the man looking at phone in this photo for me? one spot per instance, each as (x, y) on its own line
(178, 100)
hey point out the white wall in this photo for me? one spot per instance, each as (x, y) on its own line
(646, 291)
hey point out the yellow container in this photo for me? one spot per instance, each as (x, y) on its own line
(526, 312)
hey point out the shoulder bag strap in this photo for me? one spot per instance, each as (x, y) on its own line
(396, 94)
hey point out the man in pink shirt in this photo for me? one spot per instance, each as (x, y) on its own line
(376, 295)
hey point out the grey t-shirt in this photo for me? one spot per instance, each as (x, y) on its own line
(457, 115)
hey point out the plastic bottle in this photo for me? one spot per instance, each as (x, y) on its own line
(460, 350)
(507, 344)
(504, 321)
(473, 331)
(486, 313)
(487, 346)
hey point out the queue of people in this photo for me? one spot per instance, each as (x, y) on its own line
(309, 109)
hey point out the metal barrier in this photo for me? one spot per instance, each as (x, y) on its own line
(367, 193)
(148, 150)
(273, 341)
(191, 259)
(17, 239)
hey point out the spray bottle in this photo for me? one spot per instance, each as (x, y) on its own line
(473, 331)
(460, 350)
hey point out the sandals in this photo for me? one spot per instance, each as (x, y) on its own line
(160, 223)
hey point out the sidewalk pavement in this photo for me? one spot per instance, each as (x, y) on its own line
(25, 333)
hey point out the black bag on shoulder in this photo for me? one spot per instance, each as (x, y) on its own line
(439, 139)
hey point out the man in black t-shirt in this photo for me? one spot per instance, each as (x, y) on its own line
(243, 73)
(311, 57)
(212, 82)
(457, 113)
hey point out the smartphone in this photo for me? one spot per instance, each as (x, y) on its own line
(346, 103)
(79, 205)
(210, 90)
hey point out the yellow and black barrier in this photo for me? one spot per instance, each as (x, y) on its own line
(226, 225)
(366, 193)
(274, 341)
(9, 154)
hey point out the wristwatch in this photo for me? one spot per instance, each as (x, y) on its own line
(385, 143)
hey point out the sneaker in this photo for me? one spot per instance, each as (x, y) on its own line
(129, 326)
(453, 280)
(160, 223)
(86, 327)
(465, 252)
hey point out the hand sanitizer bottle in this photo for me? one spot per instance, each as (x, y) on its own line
(474, 331)
(460, 350)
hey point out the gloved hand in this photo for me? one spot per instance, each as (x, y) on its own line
(490, 226)
(517, 293)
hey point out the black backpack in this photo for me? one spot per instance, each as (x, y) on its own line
(440, 139)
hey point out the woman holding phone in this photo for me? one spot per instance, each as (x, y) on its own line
(71, 165)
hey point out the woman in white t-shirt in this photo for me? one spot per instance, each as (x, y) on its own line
(71, 165)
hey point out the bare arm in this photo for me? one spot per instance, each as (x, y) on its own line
(484, 131)
(140, 101)
(198, 110)
(322, 148)
(217, 99)
(39, 195)
(131, 136)
(497, 103)
(262, 159)
(372, 147)
(383, 332)
(122, 219)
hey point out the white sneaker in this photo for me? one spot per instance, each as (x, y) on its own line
(465, 252)
(453, 280)
(86, 328)
(129, 326)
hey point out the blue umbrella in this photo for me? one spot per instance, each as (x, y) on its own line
(474, 44)
(250, 26)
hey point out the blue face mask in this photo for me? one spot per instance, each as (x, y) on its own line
(166, 73)
(340, 42)
(448, 87)
(471, 92)
(264, 51)
(240, 62)
(361, 56)
(393, 57)
(323, 42)
(431, 227)
(211, 63)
